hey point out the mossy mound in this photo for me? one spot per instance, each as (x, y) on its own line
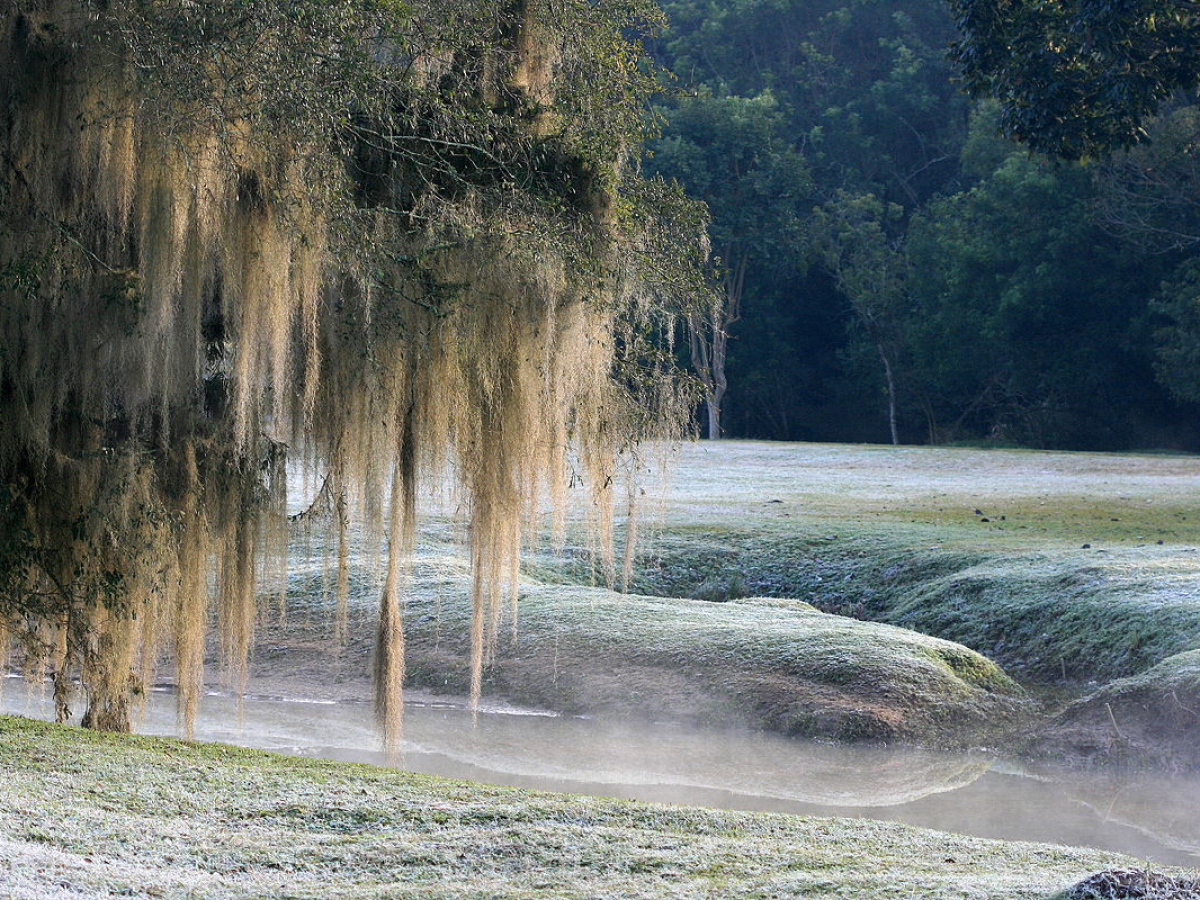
(1061, 614)
(1151, 719)
(767, 663)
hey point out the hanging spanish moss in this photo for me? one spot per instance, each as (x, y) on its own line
(392, 241)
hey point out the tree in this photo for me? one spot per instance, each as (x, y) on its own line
(1150, 195)
(1029, 321)
(370, 234)
(862, 96)
(708, 343)
(1178, 355)
(864, 88)
(869, 267)
(1078, 78)
(728, 152)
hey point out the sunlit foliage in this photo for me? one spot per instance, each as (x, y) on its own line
(389, 240)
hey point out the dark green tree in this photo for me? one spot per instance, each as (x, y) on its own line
(730, 152)
(1078, 78)
(855, 238)
(1029, 318)
(1150, 194)
(1179, 337)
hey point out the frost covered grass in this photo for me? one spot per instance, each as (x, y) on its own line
(874, 532)
(774, 663)
(771, 663)
(85, 815)
(984, 548)
(1080, 567)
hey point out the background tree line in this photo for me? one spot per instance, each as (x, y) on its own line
(894, 269)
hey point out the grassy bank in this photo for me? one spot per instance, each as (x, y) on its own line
(1047, 615)
(1083, 567)
(776, 664)
(764, 663)
(892, 535)
(983, 548)
(84, 815)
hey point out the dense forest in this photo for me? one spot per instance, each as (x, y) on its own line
(895, 269)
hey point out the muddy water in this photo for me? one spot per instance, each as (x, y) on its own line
(1154, 818)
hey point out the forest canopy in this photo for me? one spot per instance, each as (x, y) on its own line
(1078, 78)
(385, 240)
(903, 269)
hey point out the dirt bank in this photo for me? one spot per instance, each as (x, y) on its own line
(1151, 720)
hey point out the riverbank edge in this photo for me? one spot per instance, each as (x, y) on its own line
(1073, 635)
(86, 815)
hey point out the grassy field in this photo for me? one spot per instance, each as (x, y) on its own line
(983, 548)
(84, 815)
(1076, 566)
(1070, 570)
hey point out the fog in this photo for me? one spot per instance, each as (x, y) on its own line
(1147, 816)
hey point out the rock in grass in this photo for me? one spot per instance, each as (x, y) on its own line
(767, 663)
(1151, 719)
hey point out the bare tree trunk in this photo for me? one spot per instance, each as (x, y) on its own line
(719, 383)
(709, 339)
(891, 391)
(714, 418)
(934, 431)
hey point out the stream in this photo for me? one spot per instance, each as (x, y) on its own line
(1152, 817)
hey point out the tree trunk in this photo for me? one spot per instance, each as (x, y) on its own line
(713, 403)
(110, 712)
(891, 391)
(709, 340)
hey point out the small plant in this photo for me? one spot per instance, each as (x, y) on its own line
(721, 588)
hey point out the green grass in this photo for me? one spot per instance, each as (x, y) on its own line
(84, 815)
(1045, 615)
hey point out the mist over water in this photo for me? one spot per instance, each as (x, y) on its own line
(1153, 817)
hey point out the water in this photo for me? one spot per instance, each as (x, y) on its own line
(1156, 818)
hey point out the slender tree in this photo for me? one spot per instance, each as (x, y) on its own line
(869, 267)
(728, 152)
(708, 340)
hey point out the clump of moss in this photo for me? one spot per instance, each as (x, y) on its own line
(1133, 884)
(722, 590)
